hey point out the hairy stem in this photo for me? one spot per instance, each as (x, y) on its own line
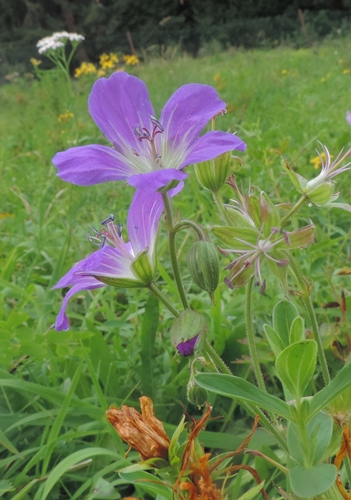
(173, 251)
(294, 209)
(219, 202)
(189, 223)
(251, 337)
(157, 292)
(306, 298)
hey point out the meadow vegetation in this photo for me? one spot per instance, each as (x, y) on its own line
(55, 441)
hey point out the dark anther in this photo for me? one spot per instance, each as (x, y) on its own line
(119, 229)
(108, 219)
(156, 123)
(103, 241)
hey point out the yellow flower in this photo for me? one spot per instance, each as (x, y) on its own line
(101, 72)
(322, 80)
(285, 71)
(347, 71)
(317, 160)
(108, 61)
(34, 61)
(85, 69)
(65, 116)
(130, 60)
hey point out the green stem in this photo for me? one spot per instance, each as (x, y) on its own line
(209, 352)
(306, 298)
(219, 202)
(173, 250)
(217, 360)
(157, 292)
(251, 337)
(189, 223)
(294, 209)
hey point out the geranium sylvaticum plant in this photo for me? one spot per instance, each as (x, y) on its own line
(256, 238)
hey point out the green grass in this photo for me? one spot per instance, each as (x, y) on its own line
(55, 386)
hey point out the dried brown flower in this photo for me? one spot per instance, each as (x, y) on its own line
(143, 432)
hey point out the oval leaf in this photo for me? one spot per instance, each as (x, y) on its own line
(307, 483)
(295, 366)
(284, 314)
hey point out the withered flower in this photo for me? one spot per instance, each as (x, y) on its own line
(143, 432)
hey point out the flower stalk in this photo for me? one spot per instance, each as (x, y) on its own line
(173, 251)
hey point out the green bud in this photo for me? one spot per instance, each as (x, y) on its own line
(212, 174)
(203, 265)
(143, 268)
(187, 331)
(322, 194)
(196, 394)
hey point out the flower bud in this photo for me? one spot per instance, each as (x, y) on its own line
(143, 268)
(196, 394)
(187, 331)
(322, 194)
(203, 265)
(212, 174)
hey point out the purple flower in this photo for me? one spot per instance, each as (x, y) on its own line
(187, 347)
(348, 117)
(116, 262)
(146, 152)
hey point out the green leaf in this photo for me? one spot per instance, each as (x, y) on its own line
(230, 235)
(252, 492)
(320, 429)
(295, 366)
(240, 389)
(312, 481)
(62, 467)
(339, 384)
(319, 433)
(6, 443)
(297, 330)
(274, 340)
(149, 327)
(148, 482)
(284, 314)
(5, 486)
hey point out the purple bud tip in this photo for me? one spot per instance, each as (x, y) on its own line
(228, 283)
(187, 348)
(263, 287)
(286, 238)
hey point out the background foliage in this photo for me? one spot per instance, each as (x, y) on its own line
(191, 25)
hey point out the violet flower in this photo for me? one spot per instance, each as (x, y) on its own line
(116, 262)
(146, 152)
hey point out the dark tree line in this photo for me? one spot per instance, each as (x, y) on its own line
(189, 23)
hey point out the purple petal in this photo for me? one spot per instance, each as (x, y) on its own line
(152, 181)
(143, 218)
(188, 110)
(187, 348)
(118, 105)
(74, 275)
(85, 283)
(113, 264)
(211, 145)
(348, 117)
(87, 165)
